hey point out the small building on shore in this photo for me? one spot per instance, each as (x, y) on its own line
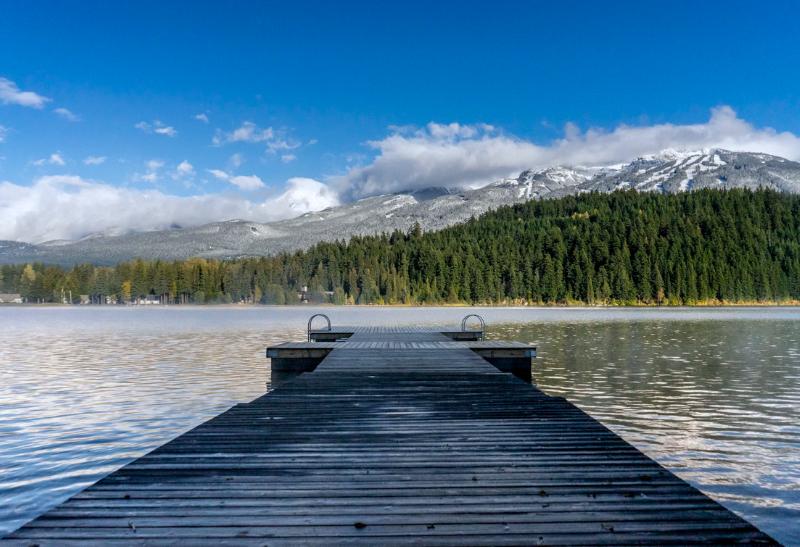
(11, 298)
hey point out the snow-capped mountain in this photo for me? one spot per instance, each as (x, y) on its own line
(670, 171)
(673, 171)
(541, 183)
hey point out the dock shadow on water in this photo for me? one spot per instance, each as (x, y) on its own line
(713, 395)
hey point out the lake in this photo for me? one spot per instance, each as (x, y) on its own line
(711, 393)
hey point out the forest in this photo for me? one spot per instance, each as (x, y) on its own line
(622, 248)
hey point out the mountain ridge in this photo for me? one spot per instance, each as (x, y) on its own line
(669, 171)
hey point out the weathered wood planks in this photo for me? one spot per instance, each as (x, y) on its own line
(396, 438)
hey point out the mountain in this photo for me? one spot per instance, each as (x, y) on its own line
(673, 171)
(667, 172)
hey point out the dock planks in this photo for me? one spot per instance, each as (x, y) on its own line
(398, 437)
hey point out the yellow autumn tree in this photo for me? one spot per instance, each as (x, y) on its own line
(126, 290)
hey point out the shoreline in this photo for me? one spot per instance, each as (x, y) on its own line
(538, 306)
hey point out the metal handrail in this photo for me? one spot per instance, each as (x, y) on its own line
(308, 330)
(483, 324)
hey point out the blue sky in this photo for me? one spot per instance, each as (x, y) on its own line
(270, 110)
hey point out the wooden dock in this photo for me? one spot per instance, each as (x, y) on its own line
(399, 437)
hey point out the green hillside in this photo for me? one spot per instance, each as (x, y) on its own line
(620, 248)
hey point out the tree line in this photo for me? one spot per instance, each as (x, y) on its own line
(708, 246)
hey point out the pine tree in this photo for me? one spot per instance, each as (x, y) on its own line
(623, 247)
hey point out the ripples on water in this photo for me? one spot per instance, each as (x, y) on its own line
(712, 394)
(717, 402)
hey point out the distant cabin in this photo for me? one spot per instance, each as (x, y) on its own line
(11, 298)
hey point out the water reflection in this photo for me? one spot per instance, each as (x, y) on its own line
(718, 402)
(713, 394)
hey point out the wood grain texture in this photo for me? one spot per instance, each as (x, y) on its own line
(399, 437)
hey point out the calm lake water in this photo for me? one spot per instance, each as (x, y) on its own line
(713, 394)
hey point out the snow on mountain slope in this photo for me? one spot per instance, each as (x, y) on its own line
(673, 171)
(670, 171)
(539, 183)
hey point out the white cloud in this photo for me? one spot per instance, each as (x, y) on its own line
(220, 174)
(167, 130)
(11, 94)
(3, 133)
(247, 182)
(85, 207)
(54, 159)
(287, 158)
(407, 158)
(152, 173)
(203, 117)
(94, 160)
(236, 160)
(247, 132)
(185, 168)
(156, 127)
(474, 155)
(67, 114)
(184, 172)
(304, 195)
(277, 145)
(243, 182)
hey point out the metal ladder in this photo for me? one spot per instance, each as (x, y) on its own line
(483, 324)
(311, 319)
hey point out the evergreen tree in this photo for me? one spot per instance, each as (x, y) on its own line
(621, 248)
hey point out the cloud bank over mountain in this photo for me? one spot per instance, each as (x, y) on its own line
(70, 207)
(473, 155)
(66, 206)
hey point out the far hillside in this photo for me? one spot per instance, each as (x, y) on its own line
(622, 248)
(668, 172)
